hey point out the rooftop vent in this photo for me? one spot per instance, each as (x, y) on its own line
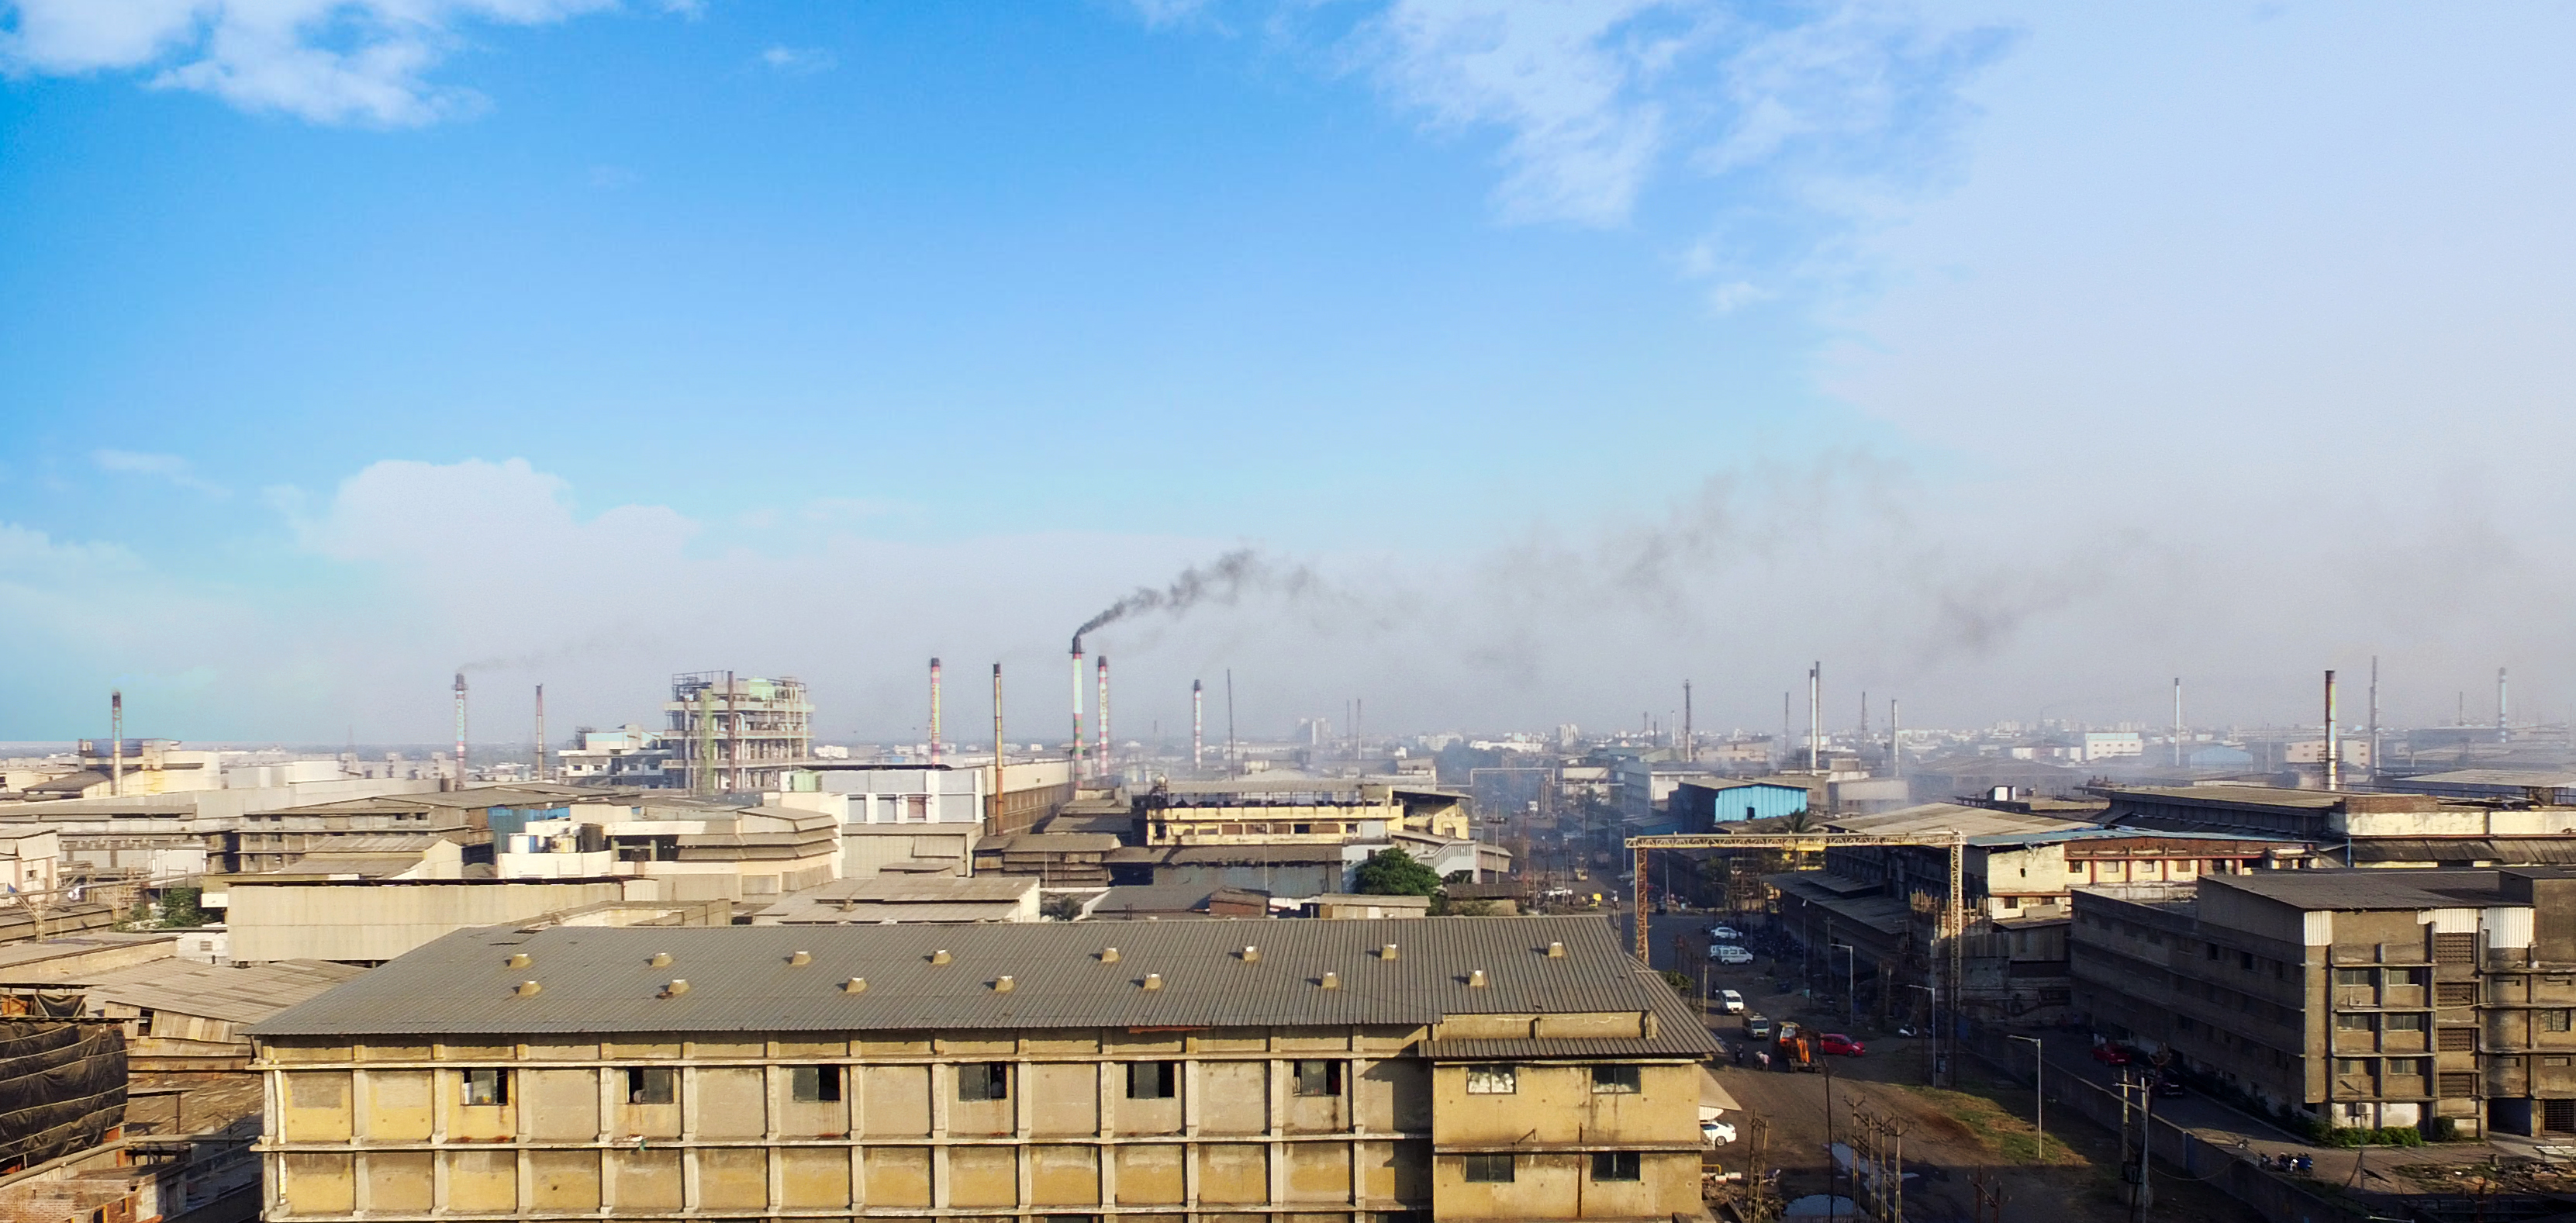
(677, 987)
(1332, 980)
(1003, 984)
(1387, 952)
(1556, 951)
(855, 985)
(1251, 954)
(1108, 955)
(528, 989)
(1476, 979)
(800, 959)
(661, 959)
(940, 956)
(518, 959)
(1153, 980)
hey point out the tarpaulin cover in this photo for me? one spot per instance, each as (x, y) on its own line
(62, 1088)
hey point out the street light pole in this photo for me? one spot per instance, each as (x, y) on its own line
(2038, 1090)
(1851, 1011)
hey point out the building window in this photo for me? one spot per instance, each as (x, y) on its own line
(2456, 993)
(487, 1087)
(984, 1081)
(814, 1084)
(1489, 1169)
(2352, 1065)
(1491, 1080)
(652, 1085)
(2352, 976)
(2452, 1040)
(2555, 1021)
(2349, 1021)
(1318, 1078)
(2558, 1060)
(1615, 1079)
(2245, 961)
(1615, 1166)
(2404, 1021)
(1153, 1080)
(2454, 1084)
(2407, 1067)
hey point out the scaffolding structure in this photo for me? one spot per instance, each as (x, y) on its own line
(739, 734)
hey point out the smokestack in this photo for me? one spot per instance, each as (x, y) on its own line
(1198, 726)
(2374, 718)
(1232, 757)
(2334, 765)
(2177, 721)
(1815, 717)
(1785, 737)
(993, 805)
(934, 713)
(1078, 680)
(1895, 740)
(1864, 715)
(116, 741)
(541, 732)
(2504, 729)
(1100, 767)
(1687, 752)
(460, 730)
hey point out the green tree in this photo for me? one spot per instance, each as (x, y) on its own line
(179, 908)
(1393, 872)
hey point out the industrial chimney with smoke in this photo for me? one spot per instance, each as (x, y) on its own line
(460, 731)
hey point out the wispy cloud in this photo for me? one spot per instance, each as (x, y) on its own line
(799, 61)
(166, 467)
(328, 61)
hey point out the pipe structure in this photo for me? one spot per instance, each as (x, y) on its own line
(2373, 763)
(2334, 766)
(1100, 767)
(460, 730)
(934, 713)
(1687, 752)
(2177, 721)
(1815, 717)
(541, 732)
(1078, 681)
(116, 741)
(993, 808)
(1198, 725)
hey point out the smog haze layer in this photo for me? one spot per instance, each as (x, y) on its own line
(1497, 365)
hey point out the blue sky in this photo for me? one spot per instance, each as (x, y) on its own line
(1577, 349)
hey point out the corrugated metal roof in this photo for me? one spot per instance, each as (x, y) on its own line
(2369, 888)
(596, 979)
(240, 994)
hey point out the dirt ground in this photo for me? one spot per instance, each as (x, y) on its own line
(1950, 1136)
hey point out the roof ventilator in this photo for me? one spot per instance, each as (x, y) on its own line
(661, 959)
(1387, 952)
(940, 956)
(1153, 980)
(1332, 980)
(677, 987)
(800, 959)
(1251, 954)
(1476, 979)
(1003, 984)
(1556, 951)
(518, 959)
(855, 985)
(1108, 955)
(527, 989)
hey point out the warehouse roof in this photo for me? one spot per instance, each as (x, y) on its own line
(238, 993)
(2369, 888)
(917, 978)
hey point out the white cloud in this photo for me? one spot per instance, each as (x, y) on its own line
(328, 61)
(799, 61)
(166, 467)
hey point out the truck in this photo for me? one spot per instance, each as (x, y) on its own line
(1798, 1049)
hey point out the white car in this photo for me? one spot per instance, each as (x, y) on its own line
(1725, 934)
(1730, 1002)
(1716, 1133)
(1729, 953)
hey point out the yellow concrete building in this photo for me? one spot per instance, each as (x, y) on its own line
(1308, 810)
(1392, 1071)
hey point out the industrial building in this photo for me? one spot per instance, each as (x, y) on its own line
(2363, 828)
(2364, 997)
(1305, 810)
(1476, 1068)
(738, 735)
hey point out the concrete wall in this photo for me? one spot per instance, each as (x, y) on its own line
(369, 922)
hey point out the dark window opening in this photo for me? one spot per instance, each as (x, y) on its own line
(652, 1085)
(814, 1084)
(984, 1081)
(1318, 1078)
(1153, 1080)
(1616, 1079)
(1489, 1169)
(484, 1087)
(1616, 1166)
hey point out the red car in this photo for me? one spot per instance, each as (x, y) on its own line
(1836, 1042)
(2110, 1054)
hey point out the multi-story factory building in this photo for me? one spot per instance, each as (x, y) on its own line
(738, 735)
(1181, 1072)
(2364, 997)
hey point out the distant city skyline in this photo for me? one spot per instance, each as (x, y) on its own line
(2013, 359)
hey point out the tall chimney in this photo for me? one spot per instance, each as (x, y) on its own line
(1100, 767)
(460, 730)
(116, 741)
(934, 713)
(1815, 718)
(2334, 765)
(1688, 752)
(541, 732)
(1079, 679)
(1783, 755)
(1198, 726)
(2504, 728)
(993, 803)
(2177, 736)
(1233, 758)
(1895, 740)
(2373, 762)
